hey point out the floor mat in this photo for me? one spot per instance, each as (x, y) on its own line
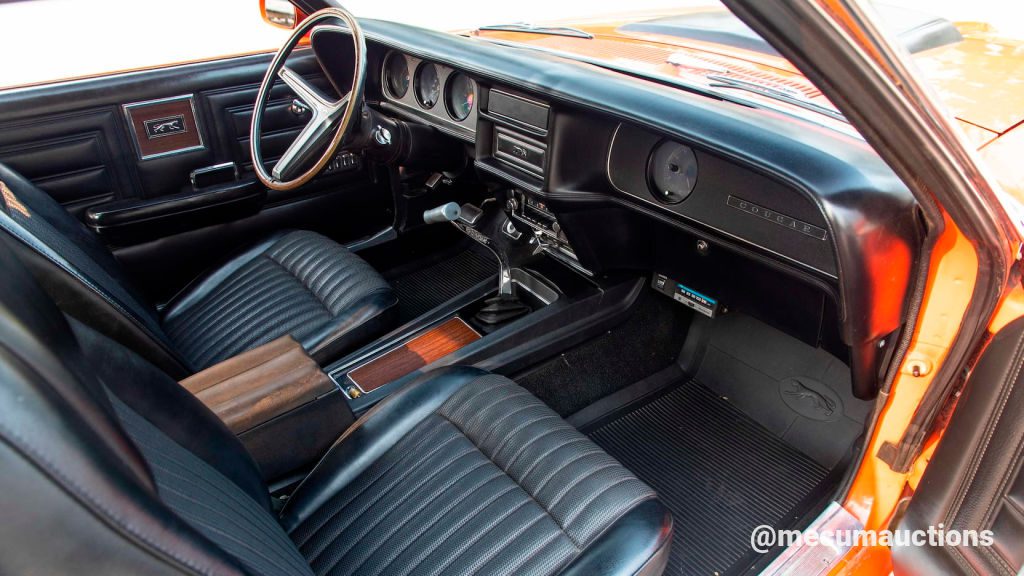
(720, 473)
(425, 288)
(800, 393)
(648, 341)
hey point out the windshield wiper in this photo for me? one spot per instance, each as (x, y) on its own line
(718, 81)
(534, 29)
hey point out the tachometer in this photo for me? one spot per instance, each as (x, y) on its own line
(460, 95)
(396, 74)
(427, 85)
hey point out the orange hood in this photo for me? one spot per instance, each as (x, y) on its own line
(978, 75)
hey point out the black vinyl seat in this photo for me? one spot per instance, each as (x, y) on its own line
(298, 283)
(110, 467)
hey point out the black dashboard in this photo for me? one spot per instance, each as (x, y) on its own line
(510, 131)
(612, 160)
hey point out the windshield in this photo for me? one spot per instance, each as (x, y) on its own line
(699, 43)
(971, 52)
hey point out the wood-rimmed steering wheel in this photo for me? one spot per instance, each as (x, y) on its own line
(332, 120)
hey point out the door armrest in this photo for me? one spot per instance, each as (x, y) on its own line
(137, 220)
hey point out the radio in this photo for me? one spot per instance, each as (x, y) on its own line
(534, 213)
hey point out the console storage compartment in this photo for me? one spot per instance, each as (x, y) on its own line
(259, 385)
(277, 400)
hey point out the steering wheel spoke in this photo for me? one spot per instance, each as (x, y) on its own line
(313, 137)
(306, 92)
(331, 120)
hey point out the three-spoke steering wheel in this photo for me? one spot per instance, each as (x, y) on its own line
(331, 120)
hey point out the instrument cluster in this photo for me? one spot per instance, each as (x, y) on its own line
(425, 88)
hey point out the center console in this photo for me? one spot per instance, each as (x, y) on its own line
(452, 333)
(540, 299)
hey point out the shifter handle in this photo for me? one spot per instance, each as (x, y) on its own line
(444, 213)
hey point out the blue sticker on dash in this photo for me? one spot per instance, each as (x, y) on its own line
(694, 294)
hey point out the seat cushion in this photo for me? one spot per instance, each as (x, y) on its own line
(459, 472)
(464, 472)
(299, 283)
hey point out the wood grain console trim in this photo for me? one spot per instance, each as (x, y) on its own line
(164, 127)
(428, 347)
(259, 385)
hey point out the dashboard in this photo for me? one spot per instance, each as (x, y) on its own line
(624, 173)
(511, 132)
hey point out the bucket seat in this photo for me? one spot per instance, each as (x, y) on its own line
(298, 283)
(110, 467)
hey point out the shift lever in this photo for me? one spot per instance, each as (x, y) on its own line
(466, 218)
(443, 213)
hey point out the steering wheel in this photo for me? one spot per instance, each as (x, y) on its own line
(331, 122)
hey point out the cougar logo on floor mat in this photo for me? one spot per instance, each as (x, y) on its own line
(808, 399)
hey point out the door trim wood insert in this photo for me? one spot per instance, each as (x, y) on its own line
(425, 348)
(164, 127)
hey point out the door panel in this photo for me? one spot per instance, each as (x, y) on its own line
(76, 142)
(974, 480)
(74, 157)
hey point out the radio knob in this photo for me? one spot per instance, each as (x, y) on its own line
(511, 204)
(556, 228)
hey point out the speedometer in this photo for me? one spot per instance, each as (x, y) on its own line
(396, 74)
(427, 85)
(460, 95)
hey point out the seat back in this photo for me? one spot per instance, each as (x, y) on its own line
(78, 270)
(110, 467)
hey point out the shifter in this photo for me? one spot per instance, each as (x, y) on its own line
(468, 218)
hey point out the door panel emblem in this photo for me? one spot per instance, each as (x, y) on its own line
(168, 126)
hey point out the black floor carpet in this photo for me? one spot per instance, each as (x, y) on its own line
(721, 473)
(645, 343)
(425, 287)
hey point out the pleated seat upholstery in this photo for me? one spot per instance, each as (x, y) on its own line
(111, 467)
(296, 283)
(492, 482)
(300, 283)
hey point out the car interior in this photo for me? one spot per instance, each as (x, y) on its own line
(393, 301)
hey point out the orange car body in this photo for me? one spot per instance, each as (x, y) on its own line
(980, 79)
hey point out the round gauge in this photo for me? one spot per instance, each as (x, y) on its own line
(460, 95)
(672, 172)
(396, 75)
(427, 85)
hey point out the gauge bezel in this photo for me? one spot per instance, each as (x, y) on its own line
(448, 95)
(416, 78)
(389, 90)
(673, 196)
(409, 106)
